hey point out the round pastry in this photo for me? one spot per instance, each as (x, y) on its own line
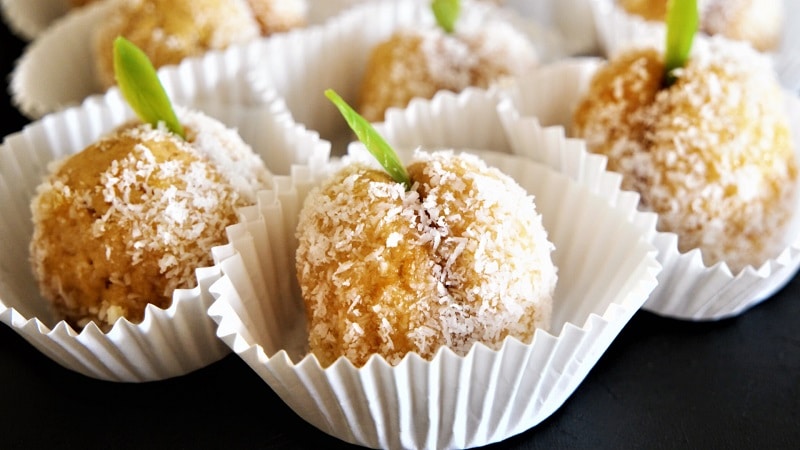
(170, 30)
(758, 22)
(127, 220)
(422, 61)
(459, 258)
(712, 154)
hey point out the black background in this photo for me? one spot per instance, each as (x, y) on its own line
(663, 383)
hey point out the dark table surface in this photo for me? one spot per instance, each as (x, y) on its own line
(662, 384)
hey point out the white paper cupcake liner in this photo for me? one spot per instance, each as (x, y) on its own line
(688, 289)
(606, 271)
(169, 342)
(301, 66)
(29, 18)
(618, 29)
(573, 19)
(56, 70)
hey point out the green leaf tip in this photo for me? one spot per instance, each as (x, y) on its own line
(683, 18)
(139, 83)
(372, 140)
(446, 13)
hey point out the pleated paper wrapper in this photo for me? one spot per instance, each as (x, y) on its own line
(616, 30)
(572, 18)
(606, 272)
(30, 18)
(300, 66)
(688, 289)
(56, 69)
(169, 342)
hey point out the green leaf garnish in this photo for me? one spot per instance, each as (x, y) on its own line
(446, 13)
(139, 83)
(682, 21)
(371, 139)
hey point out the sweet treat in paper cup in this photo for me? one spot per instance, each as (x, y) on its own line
(337, 55)
(455, 397)
(160, 339)
(709, 272)
(386, 268)
(47, 79)
(171, 30)
(125, 221)
(769, 26)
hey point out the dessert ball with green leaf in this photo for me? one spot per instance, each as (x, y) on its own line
(170, 30)
(127, 220)
(759, 22)
(444, 252)
(702, 133)
(420, 61)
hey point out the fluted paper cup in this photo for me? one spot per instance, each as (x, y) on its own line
(168, 342)
(29, 18)
(618, 29)
(606, 272)
(300, 66)
(573, 19)
(57, 68)
(541, 105)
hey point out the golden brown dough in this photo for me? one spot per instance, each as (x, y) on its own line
(79, 3)
(420, 62)
(127, 220)
(712, 154)
(275, 16)
(460, 258)
(170, 30)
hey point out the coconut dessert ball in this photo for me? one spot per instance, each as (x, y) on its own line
(127, 220)
(758, 22)
(712, 154)
(460, 258)
(170, 30)
(420, 62)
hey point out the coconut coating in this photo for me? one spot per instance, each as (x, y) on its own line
(421, 62)
(758, 22)
(712, 154)
(460, 258)
(168, 31)
(127, 220)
